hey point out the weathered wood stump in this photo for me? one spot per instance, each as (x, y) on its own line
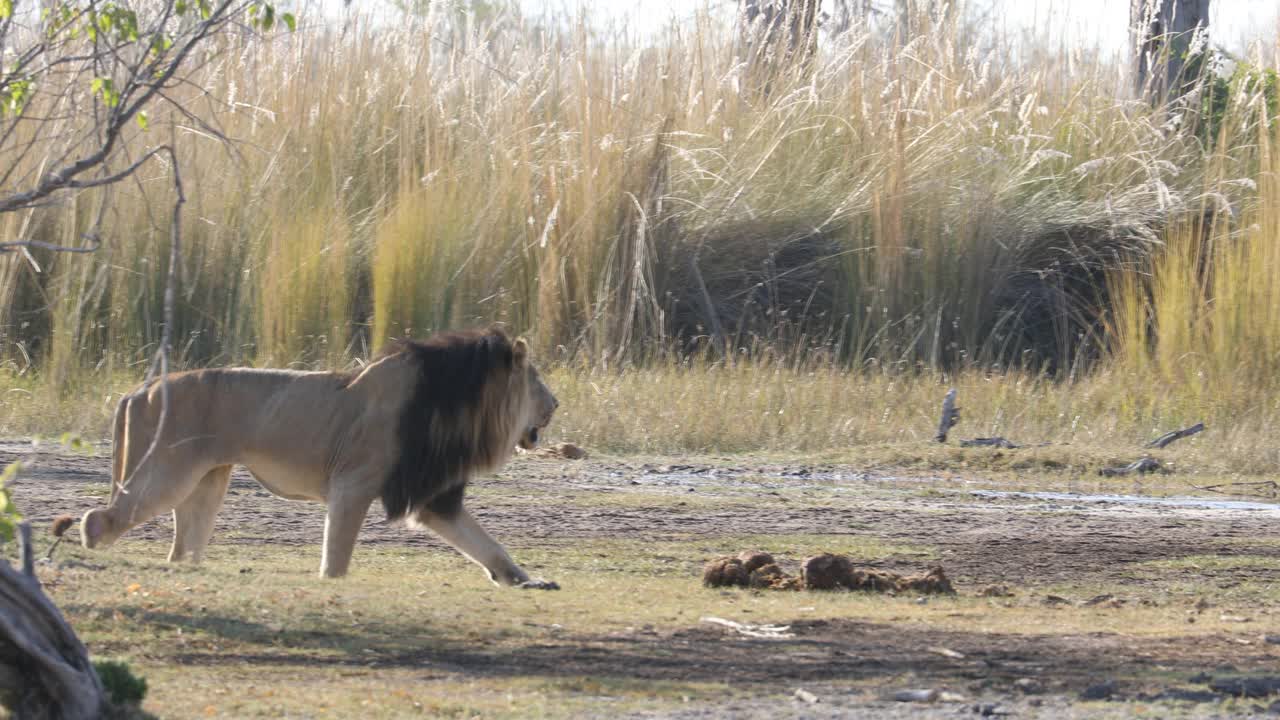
(45, 672)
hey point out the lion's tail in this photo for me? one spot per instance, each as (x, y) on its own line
(97, 522)
(119, 445)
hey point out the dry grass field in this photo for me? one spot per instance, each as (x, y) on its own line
(750, 289)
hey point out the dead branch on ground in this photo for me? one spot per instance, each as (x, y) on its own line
(1141, 466)
(990, 442)
(1271, 485)
(1168, 438)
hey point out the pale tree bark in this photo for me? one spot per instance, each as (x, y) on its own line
(1164, 36)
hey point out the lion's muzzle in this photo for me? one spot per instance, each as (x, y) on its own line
(529, 440)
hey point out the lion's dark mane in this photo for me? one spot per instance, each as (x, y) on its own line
(451, 373)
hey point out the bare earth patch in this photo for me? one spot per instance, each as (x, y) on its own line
(1135, 605)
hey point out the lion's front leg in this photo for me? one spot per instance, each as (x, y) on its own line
(461, 530)
(341, 528)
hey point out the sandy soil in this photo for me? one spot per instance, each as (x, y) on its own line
(1022, 539)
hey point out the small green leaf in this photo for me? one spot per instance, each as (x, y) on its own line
(106, 89)
(127, 21)
(290, 21)
(142, 120)
(14, 99)
(6, 9)
(180, 8)
(9, 515)
(160, 43)
(72, 441)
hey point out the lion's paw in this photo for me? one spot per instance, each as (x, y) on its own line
(539, 584)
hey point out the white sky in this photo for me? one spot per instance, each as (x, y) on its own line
(1101, 23)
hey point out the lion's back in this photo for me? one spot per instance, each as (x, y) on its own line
(242, 408)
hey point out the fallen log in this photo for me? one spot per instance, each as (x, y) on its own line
(1141, 466)
(1167, 438)
(990, 442)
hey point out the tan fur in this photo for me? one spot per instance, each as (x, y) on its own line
(320, 436)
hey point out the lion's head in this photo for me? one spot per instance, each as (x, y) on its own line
(540, 403)
(472, 397)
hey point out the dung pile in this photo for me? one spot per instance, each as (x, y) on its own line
(756, 569)
(724, 572)
(750, 569)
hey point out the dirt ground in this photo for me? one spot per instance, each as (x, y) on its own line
(995, 531)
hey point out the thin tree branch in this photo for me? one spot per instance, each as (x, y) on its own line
(64, 178)
(25, 551)
(16, 244)
(161, 359)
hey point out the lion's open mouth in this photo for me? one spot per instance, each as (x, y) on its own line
(529, 440)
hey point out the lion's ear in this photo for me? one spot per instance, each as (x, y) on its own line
(520, 351)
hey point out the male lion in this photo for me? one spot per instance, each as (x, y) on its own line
(411, 428)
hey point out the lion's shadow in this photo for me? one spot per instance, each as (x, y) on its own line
(297, 634)
(821, 651)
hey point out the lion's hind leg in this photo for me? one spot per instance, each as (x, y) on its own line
(193, 518)
(157, 487)
(152, 487)
(155, 468)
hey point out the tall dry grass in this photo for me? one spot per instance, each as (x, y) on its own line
(952, 199)
(907, 201)
(1204, 324)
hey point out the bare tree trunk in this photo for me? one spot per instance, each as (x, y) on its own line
(44, 668)
(1162, 33)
